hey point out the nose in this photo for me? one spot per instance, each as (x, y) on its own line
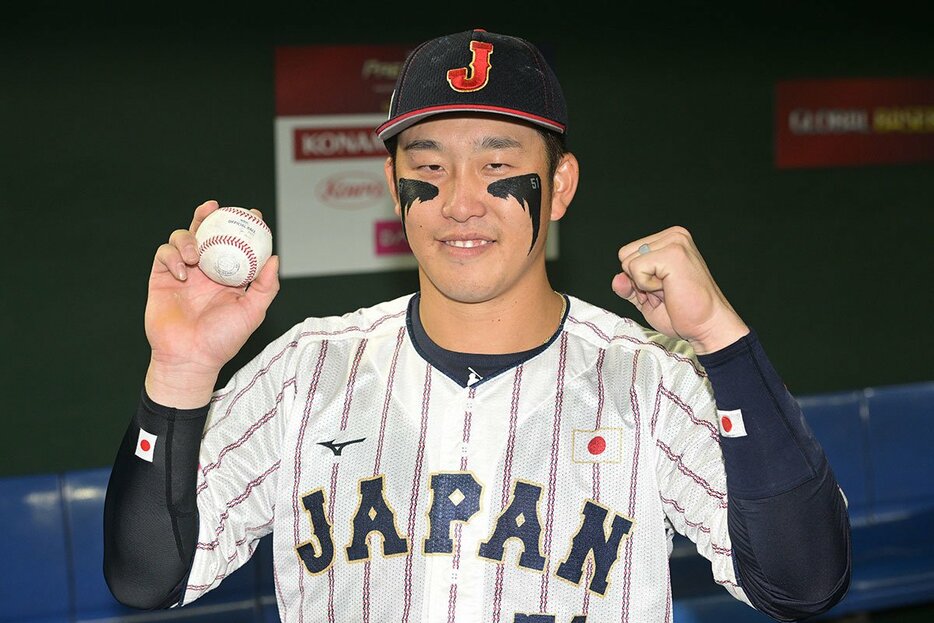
(466, 199)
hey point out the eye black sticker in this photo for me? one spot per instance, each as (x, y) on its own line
(527, 189)
(409, 191)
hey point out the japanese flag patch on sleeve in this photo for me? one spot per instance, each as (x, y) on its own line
(731, 423)
(145, 445)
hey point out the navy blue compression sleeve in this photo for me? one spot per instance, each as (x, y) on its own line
(151, 511)
(787, 518)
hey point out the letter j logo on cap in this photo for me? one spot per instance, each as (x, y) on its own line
(475, 76)
(145, 445)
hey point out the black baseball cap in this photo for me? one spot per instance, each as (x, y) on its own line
(476, 71)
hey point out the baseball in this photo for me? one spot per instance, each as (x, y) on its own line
(234, 244)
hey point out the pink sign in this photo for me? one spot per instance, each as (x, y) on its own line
(390, 239)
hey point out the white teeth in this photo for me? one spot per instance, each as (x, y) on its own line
(466, 244)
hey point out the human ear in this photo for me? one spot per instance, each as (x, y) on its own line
(564, 185)
(389, 171)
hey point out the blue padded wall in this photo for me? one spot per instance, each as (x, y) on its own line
(36, 562)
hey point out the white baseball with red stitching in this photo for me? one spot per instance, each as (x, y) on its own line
(234, 245)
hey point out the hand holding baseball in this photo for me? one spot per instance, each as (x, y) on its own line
(666, 278)
(196, 325)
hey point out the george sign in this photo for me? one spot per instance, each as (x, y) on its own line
(847, 122)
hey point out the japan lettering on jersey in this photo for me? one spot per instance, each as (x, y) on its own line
(395, 493)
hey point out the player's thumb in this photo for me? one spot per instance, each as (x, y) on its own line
(265, 287)
(623, 286)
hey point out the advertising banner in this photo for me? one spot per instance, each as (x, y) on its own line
(334, 213)
(850, 122)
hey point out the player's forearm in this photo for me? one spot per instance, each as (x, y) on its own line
(787, 517)
(792, 551)
(767, 445)
(150, 512)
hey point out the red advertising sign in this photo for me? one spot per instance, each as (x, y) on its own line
(340, 79)
(848, 122)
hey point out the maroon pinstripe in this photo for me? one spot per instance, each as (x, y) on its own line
(351, 380)
(683, 406)
(205, 469)
(455, 563)
(297, 467)
(335, 468)
(222, 519)
(633, 480)
(679, 463)
(507, 476)
(553, 473)
(259, 374)
(413, 496)
(400, 336)
(354, 328)
(628, 338)
(331, 503)
(601, 397)
(387, 400)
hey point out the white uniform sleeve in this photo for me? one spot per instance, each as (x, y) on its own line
(689, 465)
(239, 463)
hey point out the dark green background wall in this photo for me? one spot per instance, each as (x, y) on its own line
(114, 127)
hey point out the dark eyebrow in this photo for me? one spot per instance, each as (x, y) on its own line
(422, 143)
(488, 142)
(498, 142)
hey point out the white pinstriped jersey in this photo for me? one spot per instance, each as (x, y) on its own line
(544, 490)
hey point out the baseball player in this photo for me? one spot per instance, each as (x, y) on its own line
(485, 449)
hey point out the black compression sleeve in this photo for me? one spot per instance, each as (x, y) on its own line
(787, 518)
(151, 512)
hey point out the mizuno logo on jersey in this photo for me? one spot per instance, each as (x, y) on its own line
(455, 497)
(337, 448)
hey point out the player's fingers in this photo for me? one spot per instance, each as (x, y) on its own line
(651, 262)
(654, 299)
(624, 288)
(169, 259)
(257, 212)
(632, 248)
(187, 245)
(263, 289)
(201, 213)
(647, 270)
(654, 242)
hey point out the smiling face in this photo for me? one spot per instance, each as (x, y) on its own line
(475, 211)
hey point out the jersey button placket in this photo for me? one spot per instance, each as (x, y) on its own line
(469, 404)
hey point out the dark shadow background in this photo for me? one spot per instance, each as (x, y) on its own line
(114, 126)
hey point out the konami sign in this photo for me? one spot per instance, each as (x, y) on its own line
(326, 143)
(822, 123)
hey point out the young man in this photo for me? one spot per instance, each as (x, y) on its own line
(486, 449)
